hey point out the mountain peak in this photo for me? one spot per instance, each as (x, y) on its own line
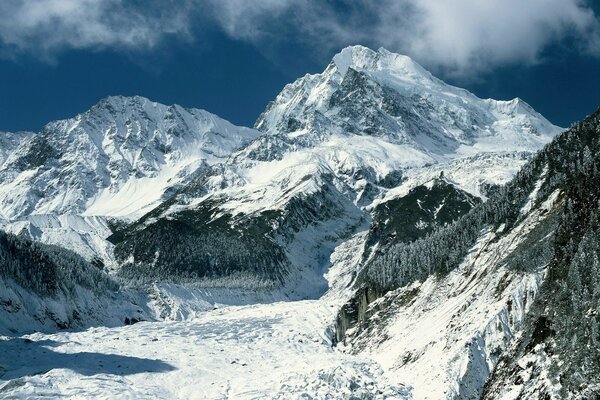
(120, 103)
(393, 97)
(119, 144)
(359, 58)
(354, 56)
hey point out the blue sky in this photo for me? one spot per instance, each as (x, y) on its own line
(231, 57)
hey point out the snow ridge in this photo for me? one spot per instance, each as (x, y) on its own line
(117, 159)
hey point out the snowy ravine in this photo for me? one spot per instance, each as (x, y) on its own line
(259, 351)
(442, 344)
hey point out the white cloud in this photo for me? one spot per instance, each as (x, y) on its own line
(475, 34)
(463, 36)
(44, 27)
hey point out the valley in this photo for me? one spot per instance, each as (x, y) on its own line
(378, 234)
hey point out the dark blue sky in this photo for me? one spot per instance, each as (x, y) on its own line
(224, 72)
(230, 79)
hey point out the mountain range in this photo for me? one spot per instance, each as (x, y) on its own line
(440, 230)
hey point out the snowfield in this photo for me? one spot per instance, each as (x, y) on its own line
(273, 350)
(441, 344)
(284, 349)
(278, 351)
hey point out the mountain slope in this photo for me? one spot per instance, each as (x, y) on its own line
(367, 184)
(424, 208)
(367, 130)
(558, 353)
(388, 95)
(117, 160)
(44, 287)
(510, 289)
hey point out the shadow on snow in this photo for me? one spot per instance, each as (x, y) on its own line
(23, 357)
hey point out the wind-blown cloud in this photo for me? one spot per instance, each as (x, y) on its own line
(46, 27)
(474, 34)
(461, 36)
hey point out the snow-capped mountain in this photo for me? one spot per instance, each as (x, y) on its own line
(443, 254)
(390, 96)
(119, 159)
(367, 130)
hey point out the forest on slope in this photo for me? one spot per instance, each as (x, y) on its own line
(564, 322)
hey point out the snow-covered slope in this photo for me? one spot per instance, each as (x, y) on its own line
(22, 310)
(503, 303)
(119, 159)
(387, 95)
(45, 287)
(9, 142)
(86, 235)
(279, 350)
(314, 204)
(443, 336)
(274, 351)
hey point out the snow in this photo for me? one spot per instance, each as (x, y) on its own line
(203, 349)
(475, 142)
(23, 311)
(84, 235)
(534, 194)
(9, 142)
(466, 173)
(398, 66)
(116, 159)
(178, 302)
(121, 159)
(270, 185)
(204, 346)
(476, 125)
(445, 342)
(277, 350)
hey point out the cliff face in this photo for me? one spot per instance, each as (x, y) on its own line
(357, 312)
